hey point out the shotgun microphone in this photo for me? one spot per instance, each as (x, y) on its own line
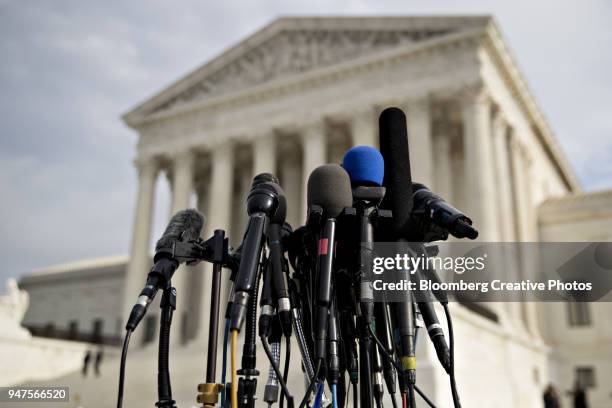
(393, 140)
(184, 226)
(442, 213)
(329, 187)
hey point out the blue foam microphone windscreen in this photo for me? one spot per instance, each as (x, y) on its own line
(365, 166)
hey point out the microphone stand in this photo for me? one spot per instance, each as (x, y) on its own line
(247, 382)
(164, 390)
(217, 248)
(366, 200)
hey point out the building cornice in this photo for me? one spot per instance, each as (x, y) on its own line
(576, 207)
(514, 79)
(315, 77)
(311, 24)
(79, 270)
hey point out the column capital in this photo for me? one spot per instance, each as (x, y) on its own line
(264, 154)
(223, 148)
(475, 94)
(417, 102)
(316, 127)
(364, 126)
(183, 157)
(146, 165)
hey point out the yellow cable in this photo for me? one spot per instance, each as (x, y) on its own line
(234, 391)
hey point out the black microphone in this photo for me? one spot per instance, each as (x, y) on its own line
(276, 230)
(393, 140)
(428, 313)
(442, 213)
(436, 334)
(262, 203)
(185, 226)
(329, 187)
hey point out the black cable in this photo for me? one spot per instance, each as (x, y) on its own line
(355, 397)
(286, 369)
(393, 400)
(397, 367)
(279, 376)
(313, 382)
(422, 394)
(451, 338)
(126, 344)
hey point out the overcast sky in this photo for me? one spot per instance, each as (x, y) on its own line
(69, 69)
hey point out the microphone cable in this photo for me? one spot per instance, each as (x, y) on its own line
(451, 339)
(381, 347)
(334, 395)
(126, 344)
(286, 368)
(279, 376)
(319, 397)
(311, 386)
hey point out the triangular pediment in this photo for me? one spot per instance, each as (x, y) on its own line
(296, 45)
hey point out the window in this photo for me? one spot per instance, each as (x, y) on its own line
(96, 335)
(49, 330)
(585, 376)
(578, 314)
(73, 329)
(150, 329)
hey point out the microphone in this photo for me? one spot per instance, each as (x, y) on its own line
(436, 334)
(365, 166)
(329, 187)
(185, 226)
(393, 140)
(262, 203)
(442, 213)
(276, 230)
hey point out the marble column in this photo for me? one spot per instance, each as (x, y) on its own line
(364, 128)
(507, 215)
(526, 224)
(443, 174)
(290, 178)
(478, 162)
(219, 204)
(182, 175)
(503, 179)
(420, 143)
(264, 155)
(140, 263)
(313, 155)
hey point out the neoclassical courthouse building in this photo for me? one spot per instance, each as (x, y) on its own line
(299, 93)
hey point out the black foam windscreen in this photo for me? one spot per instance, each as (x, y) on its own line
(281, 211)
(264, 178)
(184, 226)
(329, 186)
(393, 139)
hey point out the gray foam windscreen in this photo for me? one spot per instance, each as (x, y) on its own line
(330, 187)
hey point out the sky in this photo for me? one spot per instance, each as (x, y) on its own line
(70, 68)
